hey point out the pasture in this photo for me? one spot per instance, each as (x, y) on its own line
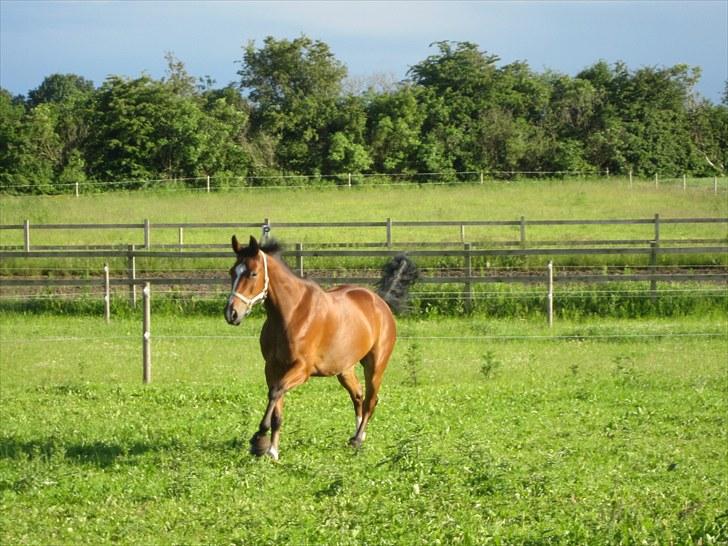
(491, 428)
(481, 439)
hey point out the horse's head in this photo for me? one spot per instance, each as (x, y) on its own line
(250, 280)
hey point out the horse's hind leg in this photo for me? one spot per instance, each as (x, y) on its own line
(350, 382)
(374, 366)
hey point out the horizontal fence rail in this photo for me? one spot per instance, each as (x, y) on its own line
(389, 226)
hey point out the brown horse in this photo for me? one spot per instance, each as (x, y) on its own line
(310, 332)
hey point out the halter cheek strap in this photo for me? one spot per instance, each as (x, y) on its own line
(260, 296)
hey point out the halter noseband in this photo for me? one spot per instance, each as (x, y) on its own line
(260, 296)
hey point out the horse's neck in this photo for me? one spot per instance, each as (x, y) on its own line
(286, 290)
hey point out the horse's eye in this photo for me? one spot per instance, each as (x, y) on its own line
(253, 274)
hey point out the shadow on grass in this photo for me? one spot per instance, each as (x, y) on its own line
(100, 454)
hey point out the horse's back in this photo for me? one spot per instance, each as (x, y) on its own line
(363, 306)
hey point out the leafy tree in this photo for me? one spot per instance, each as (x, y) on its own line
(60, 88)
(394, 125)
(142, 129)
(294, 86)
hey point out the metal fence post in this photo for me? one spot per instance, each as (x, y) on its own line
(147, 336)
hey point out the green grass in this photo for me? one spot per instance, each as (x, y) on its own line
(547, 437)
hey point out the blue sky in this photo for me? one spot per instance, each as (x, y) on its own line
(97, 38)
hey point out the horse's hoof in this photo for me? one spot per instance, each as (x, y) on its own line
(272, 453)
(355, 442)
(259, 444)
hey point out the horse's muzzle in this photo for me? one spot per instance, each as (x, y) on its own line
(232, 316)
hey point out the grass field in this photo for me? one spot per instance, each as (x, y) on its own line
(492, 428)
(536, 439)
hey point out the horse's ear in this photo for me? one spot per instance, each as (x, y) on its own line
(253, 244)
(236, 245)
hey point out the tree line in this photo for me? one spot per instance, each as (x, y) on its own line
(293, 111)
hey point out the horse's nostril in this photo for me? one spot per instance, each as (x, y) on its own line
(234, 314)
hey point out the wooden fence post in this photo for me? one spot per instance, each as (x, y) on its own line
(26, 235)
(389, 233)
(147, 234)
(462, 233)
(550, 300)
(266, 229)
(523, 231)
(107, 295)
(469, 276)
(131, 273)
(685, 182)
(654, 248)
(299, 259)
(147, 335)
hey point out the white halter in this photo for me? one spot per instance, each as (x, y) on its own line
(260, 296)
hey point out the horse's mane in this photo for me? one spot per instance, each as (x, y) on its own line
(271, 246)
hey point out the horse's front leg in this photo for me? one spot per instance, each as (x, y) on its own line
(260, 443)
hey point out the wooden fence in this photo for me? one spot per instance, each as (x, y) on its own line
(652, 248)
(389, 227)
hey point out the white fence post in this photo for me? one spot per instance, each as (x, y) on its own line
(630, 178)
(107, 295)
(685, 182)
(550, 300)
(77, 192)
(147, 335)
(147, 234)
(208, 183)
(26, 235)
(299, 259)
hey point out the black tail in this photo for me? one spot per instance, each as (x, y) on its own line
(397, 277)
